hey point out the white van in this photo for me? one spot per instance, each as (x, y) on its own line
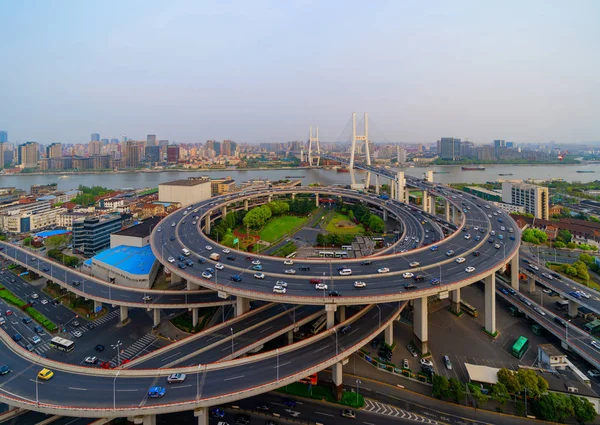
(2, 321)
(186, 252)
(345, 272)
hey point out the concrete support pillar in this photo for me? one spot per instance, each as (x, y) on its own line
(407, 195)
(156, 317)
(514, 272)
(425, 201)
(429, 176)
(242, 305)
(270, 198)
(124, 313)
(385, 215)
(97, 306)
(330, 309)
(195, 316)
(530, 285)
(192, 286)
(453, 214)
(202, 414)
(341, 313)
(401, 181)
(317, 199)
(149, 420)
(447, 211)
(290, 337)
(246, 203)
(223, 212)
(573, 306)
(392, 188)
(377, 184)
(389, 334)
(207, 227)
(432, 205)
(336, 374)
(490, 303)
(455, 300)
(420, 324)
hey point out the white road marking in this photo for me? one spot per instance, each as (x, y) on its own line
(324, 414)
(235, 377)
(127, 390)
(173, 355)
(78, 389)
(181, 386)
(282, 364)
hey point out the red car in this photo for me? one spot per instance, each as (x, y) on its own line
(8, 313)
(249, 258)
(315, 281)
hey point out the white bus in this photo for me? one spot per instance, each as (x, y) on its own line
(319, 324)
(341, 254)
(62, 344)
(347, 247)
(327, 254)
(582, 376)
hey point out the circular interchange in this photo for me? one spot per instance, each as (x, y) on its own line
(237, 277)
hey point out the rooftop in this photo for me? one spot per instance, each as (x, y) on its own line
(130, 259)
(551, 350)
(192, 181)
(140, 230)
(484, 190)
(48, 233)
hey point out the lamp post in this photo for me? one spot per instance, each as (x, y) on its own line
(231, 342)
(37, 398)
(336, 341)
(277, 355)
(198, 383)
(567, 332)
(377, 305)
(117, 347)
(358, 381)
(115, 391)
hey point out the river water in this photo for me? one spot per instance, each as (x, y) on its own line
(447, 174)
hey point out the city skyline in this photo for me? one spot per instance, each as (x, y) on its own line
(264, 73)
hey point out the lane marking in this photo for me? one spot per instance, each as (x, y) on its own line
(235, 377)
(325, 414)
(173, 355)
(181, 386)
(282, 364)
(78, 389)
(130, 390)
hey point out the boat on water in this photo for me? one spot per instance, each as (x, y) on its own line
(294, 177)
(505, 174)
(440, 172)
(473, 168)
(343, 170)
(585, 171)
(64, 177)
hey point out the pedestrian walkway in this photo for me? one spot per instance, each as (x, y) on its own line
(106, 318)
(136, 348)
(387, 410)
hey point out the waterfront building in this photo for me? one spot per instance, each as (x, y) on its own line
(132, 155)
(3, 136)
(173, 154)
(95, 147)
(37, 190)
(185, 192)
(534, 198)
(449, 148)
(223, 185)
(28, 155)
(29, 217)
(54, 150)
(152, 154)
(92, 234)
(151, 140)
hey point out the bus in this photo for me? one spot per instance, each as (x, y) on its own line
(538, 329)
(582, 376)
(319, 324)
(520, 347)
(469, 308)
(561, 304)
(347, 247)
(341, 254)
(312, 380)
(62, 344)
(327, 254)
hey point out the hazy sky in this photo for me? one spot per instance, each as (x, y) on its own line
(257, 71)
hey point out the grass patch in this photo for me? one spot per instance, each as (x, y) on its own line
(277, 227)
(459, 314)
(323, 393)
(183, 322)
(11, 298)
(285, 250)
(337, 217)
(493, 335)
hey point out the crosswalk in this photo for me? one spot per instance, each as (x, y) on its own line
(387, 410)
(134, 349)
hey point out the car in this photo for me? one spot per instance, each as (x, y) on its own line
(434, 248)
(91, 360)
(360, 284)
(279, 289)
(447, 362)
(45, 374)
(288, 262)
(426, 363)
(26, 320)
(77, 334)
(4, 369)
(217, 413)
(8, 313)
(450, 253)
(539, 311)
(289, 402)
(38, 329)
(181, 265)
(304, 268)
(460, 260)
(595, 345)
(259, 275)
(242, 419)
(334, 294)
(44, 301)
(36, 339)
(171, 260)
(407, 275)
(560, 321)
(547, 276)
(176, 378)
(497, 246)
(208, 248)
(321, 286)
(99, 348)
(256, 262)
(173, 224)
(366, 263)
(257, 267)
(189, 263)
(405, 364)
(219, 266)
(410, 286)
(547, 291)
(181, 258)
(156, 392)
(235, 278)
(226, 251)
(594, 373)
(147, 298)
(470, 269)
(172, 238)
(45, 269)
(504, 291)
(411, 350)
(17, 337)
(290, 271)
(346, 272)
(435, 281)
(383, 270)
(467, 236)
(210, 270)
(201, 260)
(414, 264)
(207, 275)
(281, 283)
(348, 414)
(35, 296)
(314, 281)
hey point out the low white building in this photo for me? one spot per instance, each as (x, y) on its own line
(23, 218)
(185, 192)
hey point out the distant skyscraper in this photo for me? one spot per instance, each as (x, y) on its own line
(510, 144)
(116, 141)
(3, 136)
(449, 148)
(28, 154)
(95, 137)
(104, 142)
(173, 154)
(2, 155)
(499, 143)
(401, 155)
(151, 140)
(54, 150)
(152, 154)
(217, 148)
(94, 147)
(132, 155)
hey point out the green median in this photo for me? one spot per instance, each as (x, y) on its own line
(11, 298)
(317, 392)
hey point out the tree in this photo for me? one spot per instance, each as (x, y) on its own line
(586, 259)
(553, 407)
(58, 241)
(571, 245)
(376, 224)
(559, 244)
(441, 386)
(564, 235)
(534, 236)
(320, 239)
(509, 380)
(583, 410)
(479, 397)
(530, 381)
(500, 393)
(457, 390)
(351, 215)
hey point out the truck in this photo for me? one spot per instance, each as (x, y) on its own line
(384, 197)
(215, 256)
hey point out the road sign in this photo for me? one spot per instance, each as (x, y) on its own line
(443, 295)
(236, 240)
(222, 294)
(98, 309)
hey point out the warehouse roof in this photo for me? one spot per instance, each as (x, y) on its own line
(130, 259)
(192, 181)
(483, 374)
(140, 230)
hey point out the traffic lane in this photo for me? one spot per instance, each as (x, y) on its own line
(14, 325)
(170, 354)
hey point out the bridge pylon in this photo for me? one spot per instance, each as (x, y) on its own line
(360, 138)
(317, 145)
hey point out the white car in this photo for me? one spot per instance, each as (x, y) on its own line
(407, 275)
(36, 339)
(539, 310)
(360, 284)
(172, 224)
(321, 286)
(35, 296)
(226, 250)
(425, 362)
(279, 289)
(91, 360)
(460, 260)
(414, 264)
(497, 246)
(281, 283)
(288, 262)
(206, 275)
(171, 260)
(290, 271)
(502, 228)
(594, 373)
(345, 272)
(77, 334)
(259, 275)
(467, 236)
(470, 269)
(256, 262)
(219, 266)
(159, 229)
(208, 248)
(383, 270)
(44, 302)
(476, 228)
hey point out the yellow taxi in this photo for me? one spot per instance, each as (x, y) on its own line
(45, 374)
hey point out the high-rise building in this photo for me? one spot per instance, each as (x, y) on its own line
(92, 234)
(3, 136)
(449, 148)
(401, 154)
(54, 150)
(217, 148)
(132, 155)
(534, 198)
(152, 154)
(499, 143)
(94, 148)
(2, 155)
(228, 148)
(104, 142)
(95, 137)
(151, 140)
(173, 154)
(28, 155)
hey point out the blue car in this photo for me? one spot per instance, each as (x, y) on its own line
(257, 267)
(504, 291)
(210, 270)
(434, 248)
(512, 237)
(236, 278)
(289, 402)
(434, 281)
(217, 413)
(17, 337)
(181, 266)
(156, 392)
(4, 369)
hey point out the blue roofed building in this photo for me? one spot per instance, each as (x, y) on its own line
(131, 266)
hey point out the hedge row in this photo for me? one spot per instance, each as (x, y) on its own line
(323, 393)
(11, 298)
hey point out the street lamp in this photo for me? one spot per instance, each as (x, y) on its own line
(37, 398)
(567, 332)
(358, 381)
(117, 347)
(231, 342)
(277, 352)
(336, 341)
(115, 391)
(198, 383)
(377, 305)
